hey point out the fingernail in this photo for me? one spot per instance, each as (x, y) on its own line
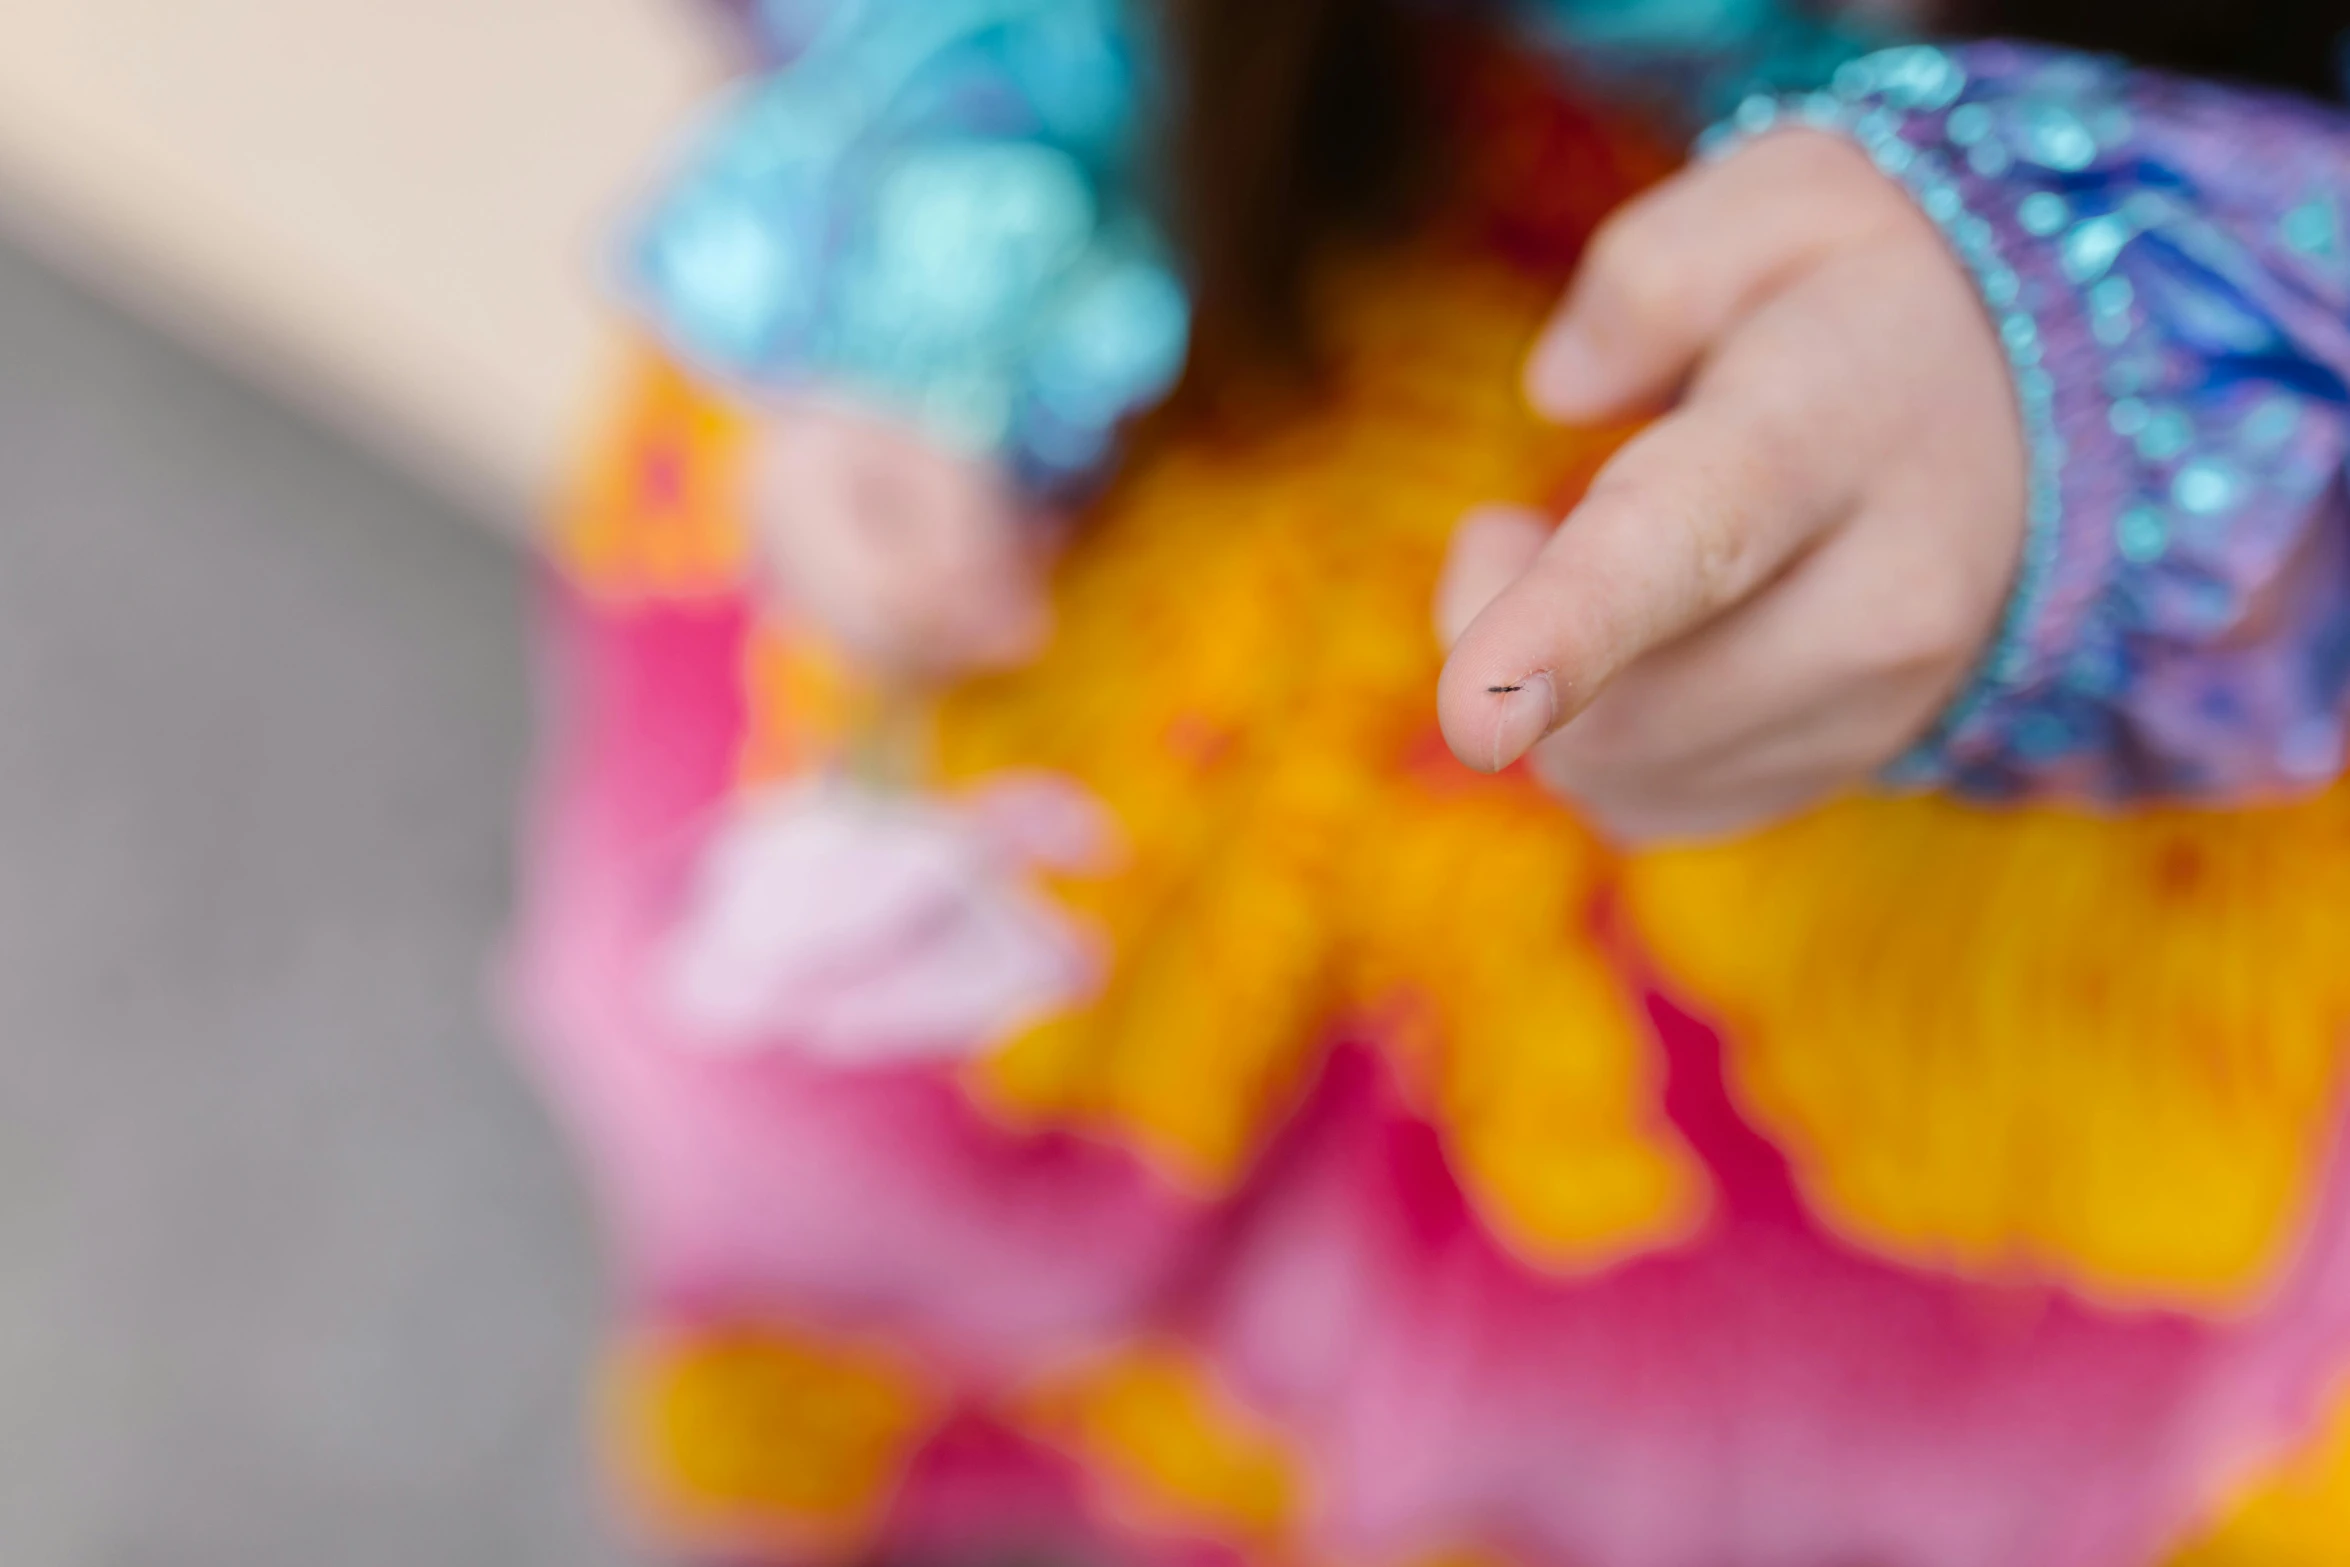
(1526, 713)
(1567, 378)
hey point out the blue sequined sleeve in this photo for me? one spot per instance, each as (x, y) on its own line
(1695, 59)
(938, 206)
(2168, 265)
(935, 206)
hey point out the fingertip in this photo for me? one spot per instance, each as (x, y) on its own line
(1524, 711)
(1568, 377)
(1490, 723)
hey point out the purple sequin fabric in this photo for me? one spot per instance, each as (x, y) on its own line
(2167, 263)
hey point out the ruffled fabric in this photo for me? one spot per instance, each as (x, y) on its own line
(1214, 1151)
(1912, 1184)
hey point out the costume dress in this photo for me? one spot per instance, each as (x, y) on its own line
(1177, 1114)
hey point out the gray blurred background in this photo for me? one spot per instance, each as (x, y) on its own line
(291, 1271)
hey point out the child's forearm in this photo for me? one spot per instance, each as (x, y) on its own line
(2169, 264)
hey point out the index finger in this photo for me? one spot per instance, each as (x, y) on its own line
(1689, 519)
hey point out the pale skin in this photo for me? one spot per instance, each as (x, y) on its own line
(1764, 598)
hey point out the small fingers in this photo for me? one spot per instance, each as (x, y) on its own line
(1688, 520)
(1673, 270)
(915, 558)
(1843, 662)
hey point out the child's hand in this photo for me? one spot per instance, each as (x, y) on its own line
(916, 560)
(1772, 591)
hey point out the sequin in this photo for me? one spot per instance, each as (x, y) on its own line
(2141, 534)
(2165, 436)
(730, 275)
(1990, 159)
(970, 233)
(2272, 424)
(1968, 124)
(1855, 78)
(2090, 249)
(2054, 138)
(2042, 735)
(2207, 487)
(1920, 77)
(2314, 229)
(1876, 127)
(2042, 213)
(2143, 368)
(2099, 669)
(1126, 325)
(1819, 110)
(2022, 338)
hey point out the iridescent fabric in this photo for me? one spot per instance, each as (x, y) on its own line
(934, 207)
(1694, 58)
(2168, 265)
(1194, 1121)
(939, 206)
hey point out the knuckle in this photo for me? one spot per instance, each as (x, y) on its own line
(1822, 162)
(1719, 545)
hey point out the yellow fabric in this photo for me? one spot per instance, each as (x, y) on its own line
(2294, 1515)
(2033, 1045)
(2037, 1044)
(1229, 678)
(1167, 1449)
(658, 509)
(769, 1438)
(2102, 1050)
(1489, 986)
